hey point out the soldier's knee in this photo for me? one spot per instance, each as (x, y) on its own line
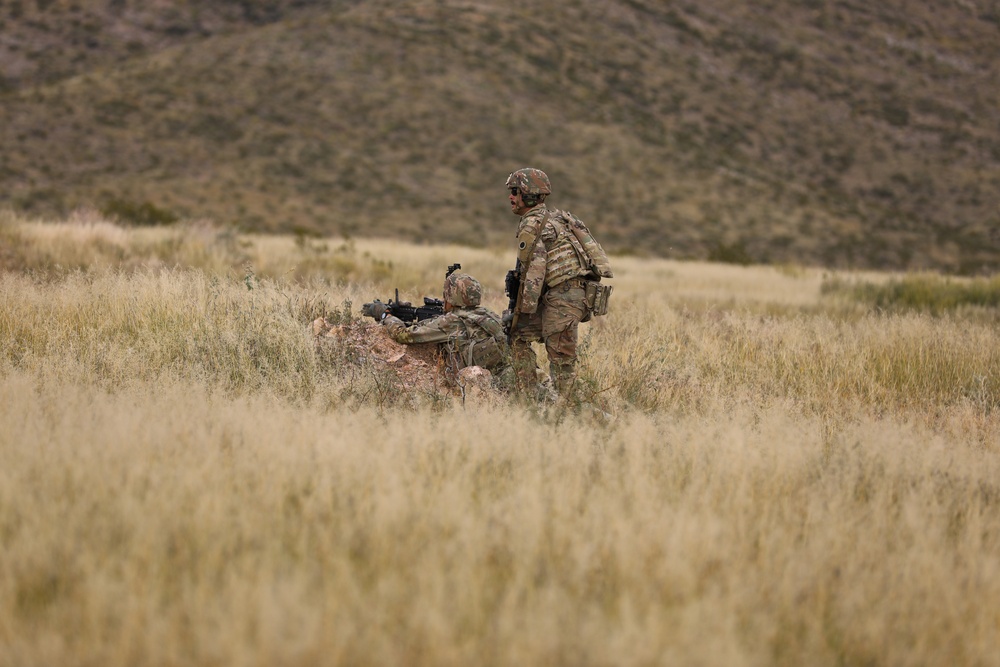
(522, 352)
(560, 355)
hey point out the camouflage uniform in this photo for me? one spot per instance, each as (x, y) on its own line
(552, 299)
(469, 334)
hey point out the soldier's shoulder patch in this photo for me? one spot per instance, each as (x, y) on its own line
(525, 242)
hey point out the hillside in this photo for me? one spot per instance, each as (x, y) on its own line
(832, 133)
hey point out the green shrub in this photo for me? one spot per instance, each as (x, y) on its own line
(925, 293)
(146, 214)
(731, 253)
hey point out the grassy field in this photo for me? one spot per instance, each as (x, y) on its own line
(794, 472)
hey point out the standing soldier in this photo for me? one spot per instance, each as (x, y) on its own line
(559, 268)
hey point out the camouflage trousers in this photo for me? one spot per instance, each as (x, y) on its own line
(555, 324)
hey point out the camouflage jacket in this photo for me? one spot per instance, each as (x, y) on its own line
(546, 254)
(470, 336)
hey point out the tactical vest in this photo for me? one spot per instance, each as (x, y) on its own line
(562, 261)
(574, 253)
(486, 342)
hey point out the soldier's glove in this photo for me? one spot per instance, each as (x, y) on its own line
(508, 317)
(375, 310)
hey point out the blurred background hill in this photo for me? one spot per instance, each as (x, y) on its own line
(826, 132)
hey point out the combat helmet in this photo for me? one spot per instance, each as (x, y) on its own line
(533, 183)
(462, 290)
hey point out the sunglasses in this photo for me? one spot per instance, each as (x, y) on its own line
(514, 192)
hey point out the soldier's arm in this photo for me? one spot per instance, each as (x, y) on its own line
(533, 279)
(436, 330)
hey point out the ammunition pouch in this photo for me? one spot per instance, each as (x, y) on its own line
(596, 296)
(485, 353)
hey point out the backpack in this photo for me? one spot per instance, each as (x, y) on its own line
(486, 344)
(592, 258)
(591, 253)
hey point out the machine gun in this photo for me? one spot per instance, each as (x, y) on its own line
(406, 311)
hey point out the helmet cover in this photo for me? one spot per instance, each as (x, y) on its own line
(462, 290)
(530, 181)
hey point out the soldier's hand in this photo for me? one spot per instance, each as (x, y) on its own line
(508, 317)
(375, 310)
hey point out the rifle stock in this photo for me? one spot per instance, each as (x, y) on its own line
(512, 286)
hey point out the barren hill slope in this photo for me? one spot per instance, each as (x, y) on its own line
(825, 132)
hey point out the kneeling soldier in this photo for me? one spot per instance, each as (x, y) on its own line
(470, 334)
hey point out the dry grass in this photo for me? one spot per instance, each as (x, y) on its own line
(785, 480)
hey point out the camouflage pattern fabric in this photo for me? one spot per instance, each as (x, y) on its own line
(549, 261)
(469, 336)
(548, 313)
(462, 290)
(530, 181)
(556, 324)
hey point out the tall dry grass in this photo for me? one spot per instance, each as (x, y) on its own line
(785, 479)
